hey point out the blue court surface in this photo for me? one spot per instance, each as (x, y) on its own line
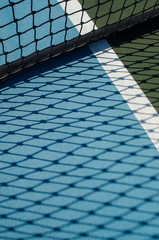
(26, 22)
(75, 159)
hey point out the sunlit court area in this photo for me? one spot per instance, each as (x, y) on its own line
(79, 120)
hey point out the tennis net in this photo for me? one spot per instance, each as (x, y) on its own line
(32, 31)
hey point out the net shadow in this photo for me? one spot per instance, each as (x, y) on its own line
(33, 31)
(138, 48)
(75, 163)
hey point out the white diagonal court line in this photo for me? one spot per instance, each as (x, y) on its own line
(122, 79)
(75, 14)
(128, 88)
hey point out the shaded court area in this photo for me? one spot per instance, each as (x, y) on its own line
(138, 49)
(78, 137)
(75, 162)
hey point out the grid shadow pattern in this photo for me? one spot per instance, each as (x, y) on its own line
(33, 31)
(75, 163)
(138, 49)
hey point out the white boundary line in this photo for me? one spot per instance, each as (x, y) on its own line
(128, 88)
(74, 11)
(122, 79)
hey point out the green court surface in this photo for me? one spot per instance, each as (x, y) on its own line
(140, 54)
(79, 141)
(99, 10)
(139, 48)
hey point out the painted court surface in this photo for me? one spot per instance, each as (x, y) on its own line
(79, 146)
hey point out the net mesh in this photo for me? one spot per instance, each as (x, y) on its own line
(32, 31)
(71, 166)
